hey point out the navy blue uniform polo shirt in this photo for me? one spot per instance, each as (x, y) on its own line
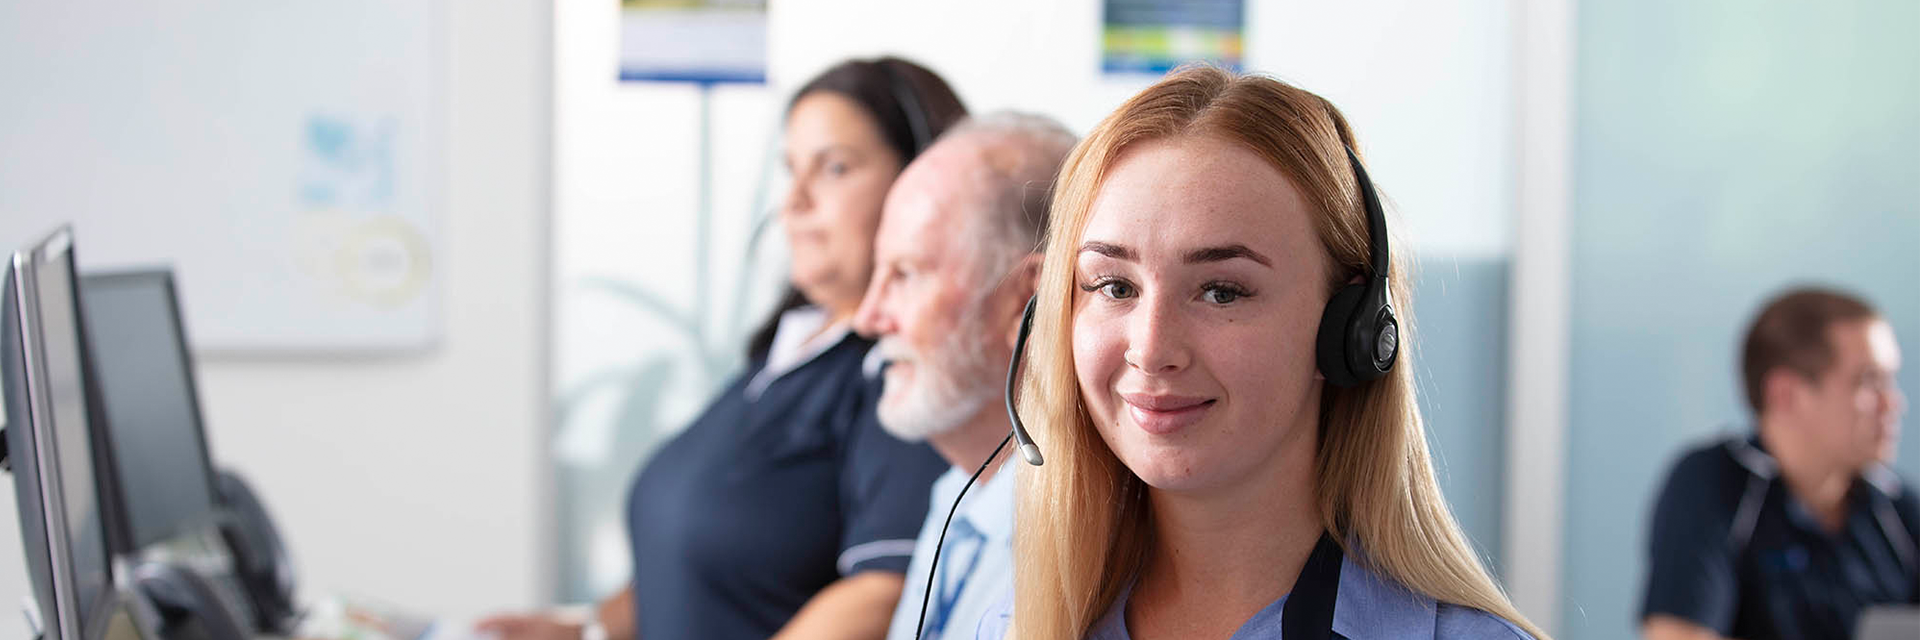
(770, 496)
(1733, 551)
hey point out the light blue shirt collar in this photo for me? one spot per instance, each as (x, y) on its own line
(987, 509)
(1369, 606)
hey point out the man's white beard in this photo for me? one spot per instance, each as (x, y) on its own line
(948, 387)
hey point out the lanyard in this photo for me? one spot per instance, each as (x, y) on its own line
(1308, 613)
(949, 591)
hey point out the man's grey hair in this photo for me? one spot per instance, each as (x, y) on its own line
(1023, 153)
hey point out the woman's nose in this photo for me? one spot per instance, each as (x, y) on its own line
(799, 199)
(1156, 340)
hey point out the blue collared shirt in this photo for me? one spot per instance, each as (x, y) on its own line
(1733, 550)
(976, 566)
(1369, 606)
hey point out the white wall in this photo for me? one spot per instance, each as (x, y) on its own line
(1426, 85)
(625, 211)
(417, 480)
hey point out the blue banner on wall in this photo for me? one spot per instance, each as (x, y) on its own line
(1155, 36)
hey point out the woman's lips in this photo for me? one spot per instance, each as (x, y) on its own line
(812, 235)
(1164, 414)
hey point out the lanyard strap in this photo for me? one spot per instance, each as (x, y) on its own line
(1308, 614)
(949, 590)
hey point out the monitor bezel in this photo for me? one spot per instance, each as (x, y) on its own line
(24, 447)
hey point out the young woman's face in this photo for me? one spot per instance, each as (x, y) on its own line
(1200, 284)
(841, 167)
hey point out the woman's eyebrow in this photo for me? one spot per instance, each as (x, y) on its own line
(816, 155)
(1108, 249)
(1225, 253)
(1197, 256)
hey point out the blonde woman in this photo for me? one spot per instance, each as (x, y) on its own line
(1207, 476)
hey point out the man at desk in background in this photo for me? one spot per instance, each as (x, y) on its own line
(955, 260)
(1792, 531)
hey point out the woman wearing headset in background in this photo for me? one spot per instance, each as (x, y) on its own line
(1205, 475)
(785, 510)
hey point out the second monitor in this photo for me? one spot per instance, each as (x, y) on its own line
(164, 478)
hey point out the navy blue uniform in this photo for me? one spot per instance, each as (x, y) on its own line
(1733, 551)
(770, 496)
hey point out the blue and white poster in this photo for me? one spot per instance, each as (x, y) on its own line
(702, 41)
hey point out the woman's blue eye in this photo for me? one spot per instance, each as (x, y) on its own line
(1222, 293)
(836, 169)
(1116, 289)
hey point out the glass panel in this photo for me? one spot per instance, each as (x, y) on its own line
(1460, 311)
(1723, 151)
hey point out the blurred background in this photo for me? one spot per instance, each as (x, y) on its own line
(553, 217)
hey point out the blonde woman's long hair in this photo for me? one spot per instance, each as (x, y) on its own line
(1084, 526)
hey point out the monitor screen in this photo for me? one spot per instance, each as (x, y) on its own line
(57, 416)
(145, 378)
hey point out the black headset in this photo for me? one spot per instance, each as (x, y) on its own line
(920, 134)
(1359, 336)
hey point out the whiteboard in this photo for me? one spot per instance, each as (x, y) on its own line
(282, 157)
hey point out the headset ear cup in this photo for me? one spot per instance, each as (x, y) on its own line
(1330, 347)
(1373, 340)
(1386, 343)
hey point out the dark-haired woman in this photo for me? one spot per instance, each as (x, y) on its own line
(784, 510)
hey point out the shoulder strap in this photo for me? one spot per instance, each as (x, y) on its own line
(1888, 484)
(1308, 614)
(1761, 470)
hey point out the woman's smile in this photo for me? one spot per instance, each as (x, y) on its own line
(1163, 414)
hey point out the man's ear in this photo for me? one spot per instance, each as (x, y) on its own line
(1021, 283)
(1781, 390)
(1026, 275)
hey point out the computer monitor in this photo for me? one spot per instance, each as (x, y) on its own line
(50, 445)
(155, 446)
